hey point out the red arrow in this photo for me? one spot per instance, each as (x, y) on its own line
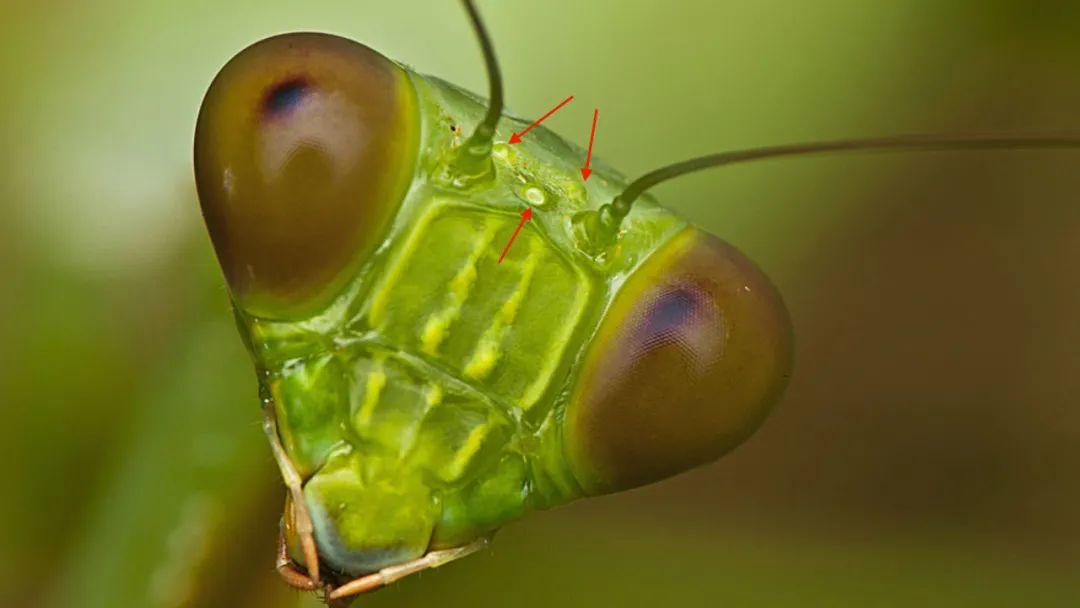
(586, 171)
(516, 137)
(526, 215)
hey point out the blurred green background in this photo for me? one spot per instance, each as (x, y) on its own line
(927, 452)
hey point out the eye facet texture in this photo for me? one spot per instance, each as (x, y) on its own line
(688, 360)
(305, 146)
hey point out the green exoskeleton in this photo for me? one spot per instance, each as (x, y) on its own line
(417, 393)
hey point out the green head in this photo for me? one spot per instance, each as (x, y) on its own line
(425, 390)
(419, 393)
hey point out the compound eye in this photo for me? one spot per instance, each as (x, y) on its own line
(692, 354)
(304, 148)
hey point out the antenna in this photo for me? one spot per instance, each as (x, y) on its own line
(474, 157)
(612, 213)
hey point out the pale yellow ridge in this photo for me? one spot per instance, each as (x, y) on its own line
(437, 327)
(489, 349)
(376, 381)
(468, 450)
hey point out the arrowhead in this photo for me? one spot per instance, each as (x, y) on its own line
(515, 139)
(585, 173)
(527, 213)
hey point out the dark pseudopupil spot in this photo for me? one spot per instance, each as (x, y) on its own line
(671, 312)
(285, 96)
(681, 322)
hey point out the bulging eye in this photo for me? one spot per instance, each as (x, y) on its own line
(304, 148)
(690, 357)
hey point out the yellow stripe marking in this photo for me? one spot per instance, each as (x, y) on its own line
(438, 324)
(434, 395)
(535, 390)
(489, 349)
(376, 381)
(380, 298)
(468, 449)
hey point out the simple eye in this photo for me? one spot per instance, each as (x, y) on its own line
(305, 146)
(690, 357)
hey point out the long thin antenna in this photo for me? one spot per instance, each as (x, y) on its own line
(476, 152)
(621, 204)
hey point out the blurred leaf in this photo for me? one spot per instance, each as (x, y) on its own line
(192, 498)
